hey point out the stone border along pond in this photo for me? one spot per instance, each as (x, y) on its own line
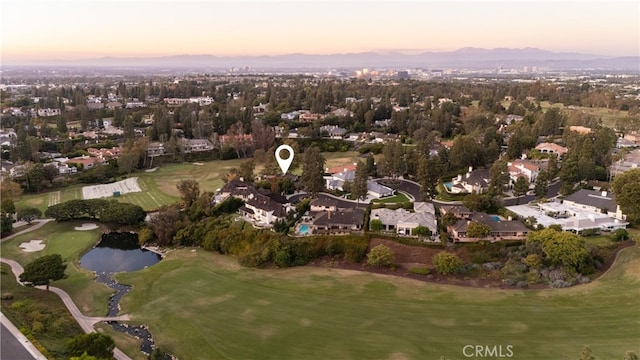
(140, 332)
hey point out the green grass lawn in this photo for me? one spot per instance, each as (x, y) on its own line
(398, 198)
(201, 305)
(599, 241)
(61, 238)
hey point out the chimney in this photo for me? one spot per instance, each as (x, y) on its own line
(604, 193)
(470, 168)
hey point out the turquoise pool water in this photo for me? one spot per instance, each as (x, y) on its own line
(495, 218)
(448, 185)
(304, 229)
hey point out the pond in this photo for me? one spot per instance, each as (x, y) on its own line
(118, 252)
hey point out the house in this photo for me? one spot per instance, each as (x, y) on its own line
(95, 106)
(572, 217)
(290, 115)
(595, 201)
(324, 204)
(339, 221)
(499, 229)
(104, 152)
(260, 208)
(195, 145)
(87, 162)
(582, 130)
(379, 137)
(459, 211)
(378, 191)
(263, 210)
(135, 104)
(527, 168)
(111, 105)
(307, 116)
(155, 148)
(48, 112)
(403, 222)
(175, 101)
(513, 118)
(260, 109)
(630, 161)
(552, 148)
(342, 112)
(334, 131)
(473, 181)
(341, 168)
(227, 139)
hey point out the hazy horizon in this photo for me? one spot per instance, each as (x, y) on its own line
(52, 30)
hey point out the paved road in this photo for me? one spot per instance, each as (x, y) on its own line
(407, 186)
(13, 348)
(40, 223)
(553, 191)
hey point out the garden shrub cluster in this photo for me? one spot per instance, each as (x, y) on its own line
(254, 248)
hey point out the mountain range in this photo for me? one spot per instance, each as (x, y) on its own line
(471, 58)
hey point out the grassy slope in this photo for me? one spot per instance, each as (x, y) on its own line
(202, 305)
(61, 238)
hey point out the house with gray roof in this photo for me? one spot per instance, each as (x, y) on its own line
(473, 181)
(499, 229)
(595, 201)
(403, 222)
(342, 221)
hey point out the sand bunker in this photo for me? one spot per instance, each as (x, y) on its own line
(86, 226)
(151, 170)
(32, 246)
(198, 163)
(106, 190)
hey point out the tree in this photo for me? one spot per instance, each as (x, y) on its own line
(312, 170)
(542, 184)
(359, 186)
(421, 231)
(128, 159)
(446, 262)
(189, 191)
(478, 230)
(93, 344)
(621, 234)
(477, 202)
(165, 224)
(43, 270)
(392, 163)
(10, 190)
(28, 214)
(6, 223)
(380, 255)
(375, 225)
(626, 186)
(499, 177)
(561, 247)
(246, 170)
(521, 186)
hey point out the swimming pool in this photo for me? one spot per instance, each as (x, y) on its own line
(304, 229)
(448, 185)
(495, 217)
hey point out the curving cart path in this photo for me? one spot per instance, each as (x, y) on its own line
(85, 322)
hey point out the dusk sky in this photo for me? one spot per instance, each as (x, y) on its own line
(55, 29)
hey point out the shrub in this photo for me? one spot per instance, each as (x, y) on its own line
(6, 296)
(621, 234)
(380, 255)
(447, 263)
(419, 270)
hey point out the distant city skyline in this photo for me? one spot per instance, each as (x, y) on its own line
(71, 30)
